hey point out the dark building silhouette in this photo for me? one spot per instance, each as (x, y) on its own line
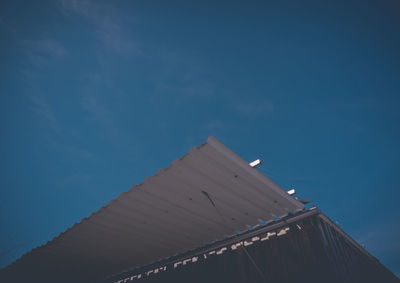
(306, 247)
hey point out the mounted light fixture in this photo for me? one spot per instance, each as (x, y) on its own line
(255, 163)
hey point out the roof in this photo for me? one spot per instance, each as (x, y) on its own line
(301, 247)
(209, 194)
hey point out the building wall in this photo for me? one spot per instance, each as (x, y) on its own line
(311, 251)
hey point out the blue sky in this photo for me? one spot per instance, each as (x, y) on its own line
(97, 95)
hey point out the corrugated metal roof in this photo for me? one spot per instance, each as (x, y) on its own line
(206, 195)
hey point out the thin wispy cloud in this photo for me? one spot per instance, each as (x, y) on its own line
(39, 104)
(71, 150)
(97, 109)
(82, 7)
(108, 26)
(40, 52)
(48, 46)
(42, 108)
(95, 95)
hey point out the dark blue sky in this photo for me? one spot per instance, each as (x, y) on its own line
(95, 96)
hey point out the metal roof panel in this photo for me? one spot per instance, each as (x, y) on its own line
(205, 196)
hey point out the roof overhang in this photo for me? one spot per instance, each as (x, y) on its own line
(209, 194)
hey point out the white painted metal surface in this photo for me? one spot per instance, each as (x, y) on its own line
(256, 163)
(170, 213)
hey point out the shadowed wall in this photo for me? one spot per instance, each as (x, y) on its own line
(314, 253)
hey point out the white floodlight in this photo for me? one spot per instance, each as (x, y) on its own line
(255, 163)
(291, 192)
